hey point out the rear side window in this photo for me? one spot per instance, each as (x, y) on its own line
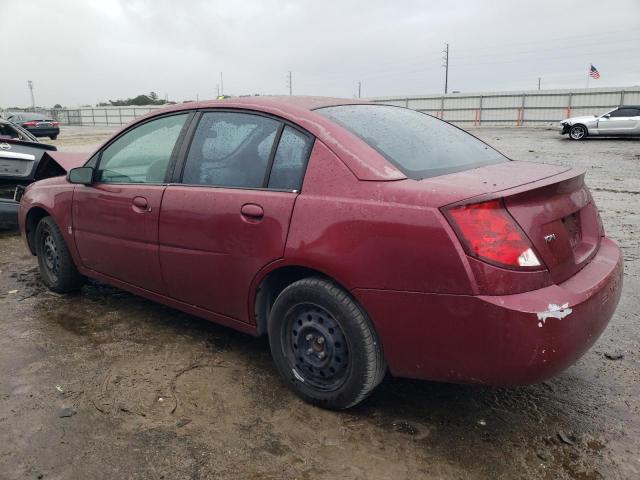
(419, 145)
(230, 149)
(290, 160)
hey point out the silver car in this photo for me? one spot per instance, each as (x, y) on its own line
(621, 121)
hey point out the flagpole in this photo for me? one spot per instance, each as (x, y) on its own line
(588, 74)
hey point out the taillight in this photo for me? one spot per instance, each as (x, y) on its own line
(488, 232)
(54, 124)
(29, 124)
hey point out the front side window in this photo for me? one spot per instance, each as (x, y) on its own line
(141, 155)
(230, 149)
(290, 161)
(419, 145)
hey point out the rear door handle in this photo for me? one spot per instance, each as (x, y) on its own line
(252, 211)
(140, 204)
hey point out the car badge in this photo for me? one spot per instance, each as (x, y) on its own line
(550, 238)
(5, 146)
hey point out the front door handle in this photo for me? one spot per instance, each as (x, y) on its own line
(140, 204)
(252, 211)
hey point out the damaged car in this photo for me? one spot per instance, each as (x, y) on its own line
(21, 163)
(619, 122)
(360, 238)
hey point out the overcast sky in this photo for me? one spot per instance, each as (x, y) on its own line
(83, 52)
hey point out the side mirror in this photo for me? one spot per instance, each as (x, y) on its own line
(607, 116)
(81, 175)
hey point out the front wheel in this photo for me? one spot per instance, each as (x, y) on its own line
(577, 132)
(57, 269)
(323, 344)
(53, 137)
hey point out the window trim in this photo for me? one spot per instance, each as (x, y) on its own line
(172, 159)
(190, 134)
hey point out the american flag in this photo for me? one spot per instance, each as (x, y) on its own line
(594, 73)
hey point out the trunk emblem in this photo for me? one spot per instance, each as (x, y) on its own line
(550, 238)
(5, 146)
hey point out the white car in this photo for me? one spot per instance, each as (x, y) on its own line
(621, 121)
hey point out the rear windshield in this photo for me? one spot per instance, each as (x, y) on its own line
(34, 116)
(419, 145)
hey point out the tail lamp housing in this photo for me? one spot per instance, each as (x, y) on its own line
(488, 232)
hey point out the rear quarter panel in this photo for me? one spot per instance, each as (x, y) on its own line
(355, 232)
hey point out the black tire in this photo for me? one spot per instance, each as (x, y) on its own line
(578, 132)
(53, 137)
(57, 269)
(324, 345)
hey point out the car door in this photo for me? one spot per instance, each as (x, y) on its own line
(229, 215)
(115, 219)
(622, 121)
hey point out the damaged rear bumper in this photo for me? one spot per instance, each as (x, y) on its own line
(497, 340)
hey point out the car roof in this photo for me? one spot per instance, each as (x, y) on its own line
(629, 106)
(300, 102)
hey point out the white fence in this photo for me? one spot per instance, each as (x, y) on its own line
(103, 116)
(531, 107)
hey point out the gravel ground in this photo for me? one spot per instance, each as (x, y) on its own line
(103, 384)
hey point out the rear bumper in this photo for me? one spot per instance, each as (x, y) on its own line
(8, 214)
(44, 132)
(497, 340)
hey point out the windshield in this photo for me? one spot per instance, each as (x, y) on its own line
(419, 145)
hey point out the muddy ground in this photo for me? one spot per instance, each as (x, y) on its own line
(155, 393)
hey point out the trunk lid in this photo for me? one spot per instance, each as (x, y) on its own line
(561, 220)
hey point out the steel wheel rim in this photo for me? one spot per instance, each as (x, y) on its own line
(577, 133)
(51, 256)
(315, 347)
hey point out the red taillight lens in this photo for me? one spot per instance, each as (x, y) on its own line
(29, 124)
(488, 232)
(54, 124)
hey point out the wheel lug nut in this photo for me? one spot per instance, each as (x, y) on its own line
(309, 351)
(321, 355)
(320, 340)
(308, 337)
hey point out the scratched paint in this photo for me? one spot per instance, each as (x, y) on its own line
(554, 311)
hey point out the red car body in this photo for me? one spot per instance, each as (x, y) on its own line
(441, 313)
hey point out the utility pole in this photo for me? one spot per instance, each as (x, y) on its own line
(221, 85)
(539, 79)
(33, 100)
(446, 67)
(217, 90)
(359, 88)
(289, 84)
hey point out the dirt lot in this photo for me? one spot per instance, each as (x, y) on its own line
(155, 393)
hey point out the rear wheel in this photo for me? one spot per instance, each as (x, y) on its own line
(324, 345)
(53, 137)
(578, 132)
(57, 269)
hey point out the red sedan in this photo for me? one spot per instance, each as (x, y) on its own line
(360, 238)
